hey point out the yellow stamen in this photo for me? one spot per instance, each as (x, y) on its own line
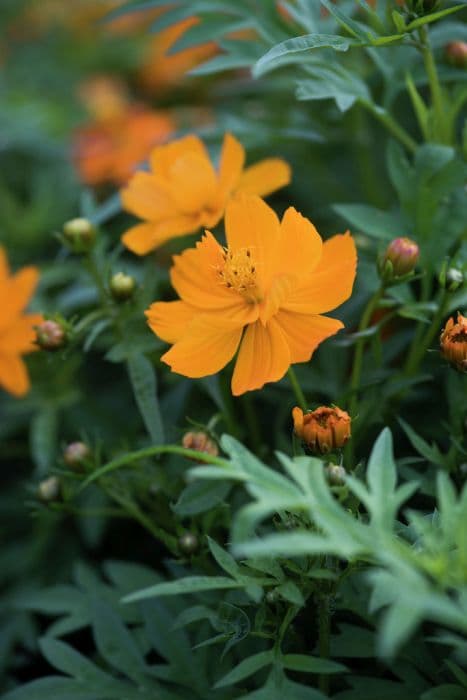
(239, 273)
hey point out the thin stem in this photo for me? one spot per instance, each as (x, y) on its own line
(324, 630)
(131, 457)
(299, 395)
(435, 86)
(419, 350)
(391, 125)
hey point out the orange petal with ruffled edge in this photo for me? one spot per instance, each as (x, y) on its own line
(250, 223)
(265, 177)
(147, 197)
(169, 319)
(264, 356)
(331, 282)
(19, 337)
(206, 347)
(143, 238)
(304, 332)
(17, 292)
(163, 157)
(194, 183)
(300, 246)
(231, 165)
(13, 375)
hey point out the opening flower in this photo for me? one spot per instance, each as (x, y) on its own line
(453, 342)
(183, 192)
(263, 295)
(17, 334)
(322, 430)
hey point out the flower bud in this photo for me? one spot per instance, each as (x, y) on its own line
(335, 474)
(201, 442)
(454, 279)
(188, 543)
(51, 335)
(80, 234)
(456, 53)
(322, 430)
(453, 342)
(400, 258)
(122, 286)
(49, 490)
(76, 454)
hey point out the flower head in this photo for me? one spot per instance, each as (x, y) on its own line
(183, 192)
(262, 295)
(17, 334)
(400, 258)
(453, 342)
(323, 430)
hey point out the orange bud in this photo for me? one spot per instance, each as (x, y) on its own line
(403, 255)
(323, 430)
(50, 335)
(456, 53)
(201, 442)
(453, 341)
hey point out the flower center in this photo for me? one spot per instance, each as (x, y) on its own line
(239, 272)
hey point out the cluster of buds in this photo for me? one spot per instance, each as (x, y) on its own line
(52, 334)
(79, 235)
(122, 286)
(453, 342)
(399, 260)
(323, 430)
(456, 53)
(201, 442)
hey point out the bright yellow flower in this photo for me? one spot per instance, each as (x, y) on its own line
(16, 328)
(262, 295)
(183, 192)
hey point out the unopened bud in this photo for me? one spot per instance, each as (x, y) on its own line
(456, 53)
(51, 335)
(335, 474)
(76, 454)
(201, 442)
(323, 430)
(80, 234)
(400, 259)
(122, 286)
(188, 543)
(454, 279)
(453, 342)
(49, 490)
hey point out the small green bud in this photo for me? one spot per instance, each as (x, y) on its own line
(79, 234)
(188, 543)
(454, 279)
(122, 286)
(335, 474)
(76, 454)
(49, 490)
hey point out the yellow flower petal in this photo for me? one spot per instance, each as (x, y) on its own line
(264, 177)
(19, 337)
(13, 375)
(331, 282)
(264, 356)
(143, 238)
(195, 183)
(169, 320)
(231, 164)
(147, 197)
(300, 245)
(207, 346)
(303, 333)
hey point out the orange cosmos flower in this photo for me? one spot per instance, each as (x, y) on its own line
(453, 342)
(17, 333)
(322, 430)
(262, 295)
(184, 192)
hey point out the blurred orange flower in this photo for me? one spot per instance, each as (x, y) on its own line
(17, 333)
(262, 295)
(121, 135)
(161, 70)
(184, 192)
(453, 342)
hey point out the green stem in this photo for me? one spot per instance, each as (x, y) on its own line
(419, 350)
(299, 395)
(391, 125)
(95, 274)
(324, 628)
(146, 452)
(435, 86)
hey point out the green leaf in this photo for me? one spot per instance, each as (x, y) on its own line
(381, 471)
(43, 439)
(333, 82)
(279, 54)
(144, 383)
(420, 108)
(447, 691)
(430, 452)
(189, 584)
(434, 17)
(354, 28)
(67, 660)
(51, 687)
(374, 222)
(311, 664)
(200, 496)
(290, 591)
(246, 668)
(211, 26)
(224, 559)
